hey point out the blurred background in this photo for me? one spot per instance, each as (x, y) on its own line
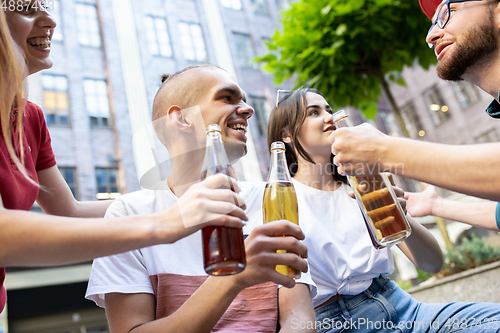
(109, 56)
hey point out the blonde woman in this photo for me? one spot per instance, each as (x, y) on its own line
(28, 173)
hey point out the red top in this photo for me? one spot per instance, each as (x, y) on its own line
(16, 192)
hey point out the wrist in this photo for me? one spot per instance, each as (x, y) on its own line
(386, 146)
(161, 226)
(435, 206)
(230, 284)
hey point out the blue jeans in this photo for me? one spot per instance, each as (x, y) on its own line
(384, 307)
(1, 330)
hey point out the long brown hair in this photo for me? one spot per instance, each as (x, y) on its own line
(289, 115)
(11, 94)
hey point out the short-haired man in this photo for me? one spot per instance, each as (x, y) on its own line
(465, 35)
(164, 288)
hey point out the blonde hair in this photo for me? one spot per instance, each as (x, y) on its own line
(11, 94)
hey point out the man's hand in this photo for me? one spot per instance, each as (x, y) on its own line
(261, 246)
(210, 202)
(358, 150)
(420, 204)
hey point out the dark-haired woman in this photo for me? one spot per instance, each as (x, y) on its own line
(354, 293)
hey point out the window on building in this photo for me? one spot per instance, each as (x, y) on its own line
(260, 7)
(107, 185)
(157, 36)
(412, 120)
(55, 99)
(488, 136)
(69, 175)
(88, 25)
(436, 106)
(192, 41)
(466, 93)
(96, 101)
(245, 52)
(55, 12)
(233, 4)
(261, 108)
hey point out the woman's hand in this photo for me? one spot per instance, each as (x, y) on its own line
(420, 204)
(210, 202)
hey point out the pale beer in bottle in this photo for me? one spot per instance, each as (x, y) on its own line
(280, 200)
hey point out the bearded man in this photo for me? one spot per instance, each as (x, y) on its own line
(465, 37)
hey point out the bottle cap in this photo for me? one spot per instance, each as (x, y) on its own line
(339, 115)
(213, 128)
(277, 145)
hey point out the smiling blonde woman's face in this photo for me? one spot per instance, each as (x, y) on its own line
(31, 28)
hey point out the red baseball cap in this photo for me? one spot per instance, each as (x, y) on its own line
(429, 7)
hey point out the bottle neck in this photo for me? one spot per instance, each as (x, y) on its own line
(215, 154)
(279, 168)
(343, 122)
(340, 119)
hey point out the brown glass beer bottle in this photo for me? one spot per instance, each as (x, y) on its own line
(280, 200)
(223, 247)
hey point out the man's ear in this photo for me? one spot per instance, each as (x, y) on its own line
(178, 119)
(286, 136)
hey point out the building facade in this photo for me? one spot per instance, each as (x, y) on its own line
(435, 110)
(109, 56)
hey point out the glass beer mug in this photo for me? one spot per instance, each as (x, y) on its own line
(384, 217)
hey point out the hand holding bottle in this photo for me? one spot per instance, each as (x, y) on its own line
(211, 202)
(280, 200)
(223, 247)
(383, 214)
(262, 257)
(360, 150)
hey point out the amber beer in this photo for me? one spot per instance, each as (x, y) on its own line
(280, 200)
(223, 247)
(383, 215)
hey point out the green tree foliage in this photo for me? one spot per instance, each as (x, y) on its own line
(346, 48)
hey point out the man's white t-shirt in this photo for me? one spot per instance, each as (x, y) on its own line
(172, 272)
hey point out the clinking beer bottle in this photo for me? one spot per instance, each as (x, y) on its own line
(280, 200)
(384, 217)
(223, 247)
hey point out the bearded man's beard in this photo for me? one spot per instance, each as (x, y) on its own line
(473, 46)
